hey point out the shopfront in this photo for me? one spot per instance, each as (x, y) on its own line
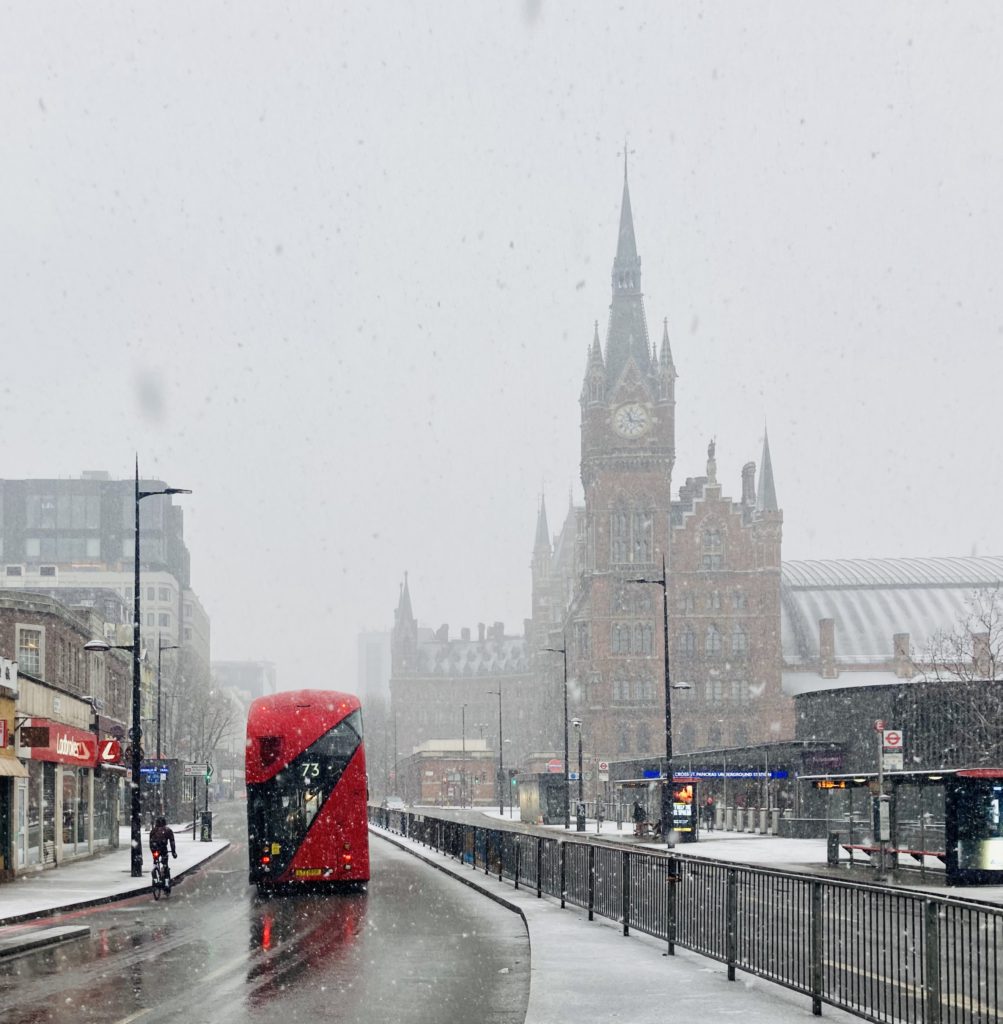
(12, 772)
(70, 808)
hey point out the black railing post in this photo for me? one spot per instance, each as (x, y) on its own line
(625, 890)
(731, 915)
(501, 857)
(487, 848)
(816, 948)
(592, 881)
(931, 953)
(672, 882)
(564, 868)
(518, 860)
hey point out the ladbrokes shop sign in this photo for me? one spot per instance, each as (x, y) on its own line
(52, 741)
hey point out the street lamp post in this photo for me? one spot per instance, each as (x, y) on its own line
(579, 812)
(669, 783)
(161, 647)
(501, 764)
(463, 759)
(563, 651)
(136, 732)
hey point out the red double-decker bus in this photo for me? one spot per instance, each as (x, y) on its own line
(305, 768)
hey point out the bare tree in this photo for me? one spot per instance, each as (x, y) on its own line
(962, 689)
(200, 714)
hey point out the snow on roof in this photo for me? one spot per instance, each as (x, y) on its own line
(870, 600)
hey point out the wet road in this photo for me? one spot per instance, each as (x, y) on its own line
(416, 947)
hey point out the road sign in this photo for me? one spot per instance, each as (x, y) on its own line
(194, 770)
(109, 751)
(892, 739)
(879, 724)
(573, 776)
(555, 766)
(893, 761)
(208, 772)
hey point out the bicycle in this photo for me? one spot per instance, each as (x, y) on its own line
(160, 876)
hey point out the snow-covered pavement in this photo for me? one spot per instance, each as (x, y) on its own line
(101, 879)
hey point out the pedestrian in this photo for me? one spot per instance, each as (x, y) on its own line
(708, 813)
(637, 813)
(599, 817)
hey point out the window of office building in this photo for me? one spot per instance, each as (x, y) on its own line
(29, 650)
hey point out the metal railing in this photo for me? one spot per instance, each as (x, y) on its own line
(884, 955)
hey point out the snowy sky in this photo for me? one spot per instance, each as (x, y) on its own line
(335, 266)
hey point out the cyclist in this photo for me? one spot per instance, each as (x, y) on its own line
(162, 836)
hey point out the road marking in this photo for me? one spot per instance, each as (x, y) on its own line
(134, 1016)
(228, 966)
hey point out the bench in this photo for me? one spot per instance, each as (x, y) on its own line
(917, 855)
(860, 848)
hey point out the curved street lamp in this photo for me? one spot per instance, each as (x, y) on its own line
(136, 732)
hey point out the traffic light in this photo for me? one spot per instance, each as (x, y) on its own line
(511, 776)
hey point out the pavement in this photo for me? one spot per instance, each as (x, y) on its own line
(91, 881)
(580, 970)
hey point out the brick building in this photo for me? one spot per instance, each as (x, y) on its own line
(58, 800)
(596, 588)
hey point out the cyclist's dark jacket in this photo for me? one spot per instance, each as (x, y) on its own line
(160, 837)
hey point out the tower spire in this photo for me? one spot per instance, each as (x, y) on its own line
(627, 336)
(766, 495)
(542, 530)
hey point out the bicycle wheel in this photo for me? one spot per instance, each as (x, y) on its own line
(155, 875)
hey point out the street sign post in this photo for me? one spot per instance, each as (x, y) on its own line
(195, 770)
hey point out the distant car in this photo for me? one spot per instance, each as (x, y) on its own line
(394, 803)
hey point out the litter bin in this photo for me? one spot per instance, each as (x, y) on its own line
(580, 817)
(206, 833)
(832, 850)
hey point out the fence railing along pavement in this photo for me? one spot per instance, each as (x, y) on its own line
(883, 954)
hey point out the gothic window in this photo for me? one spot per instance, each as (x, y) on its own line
(738, 600)
(740, 691)
(712, 548)
(620, 537)
(739, 641)
(714, 691)
(689, 642)
(621, 690)
(714, 602)
(632, 537)
(582, 639)
(642, 602)
(643, 634)
(714, 736)
(643, 737)
(685, 603)
(712, 642)
(621, 601)
(596, 389)
(643, 536)
(621, 638)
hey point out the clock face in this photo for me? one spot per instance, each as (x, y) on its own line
(631, 420)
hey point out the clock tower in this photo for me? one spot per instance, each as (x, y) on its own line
(627, 455)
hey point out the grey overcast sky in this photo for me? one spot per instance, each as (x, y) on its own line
(335, 267)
